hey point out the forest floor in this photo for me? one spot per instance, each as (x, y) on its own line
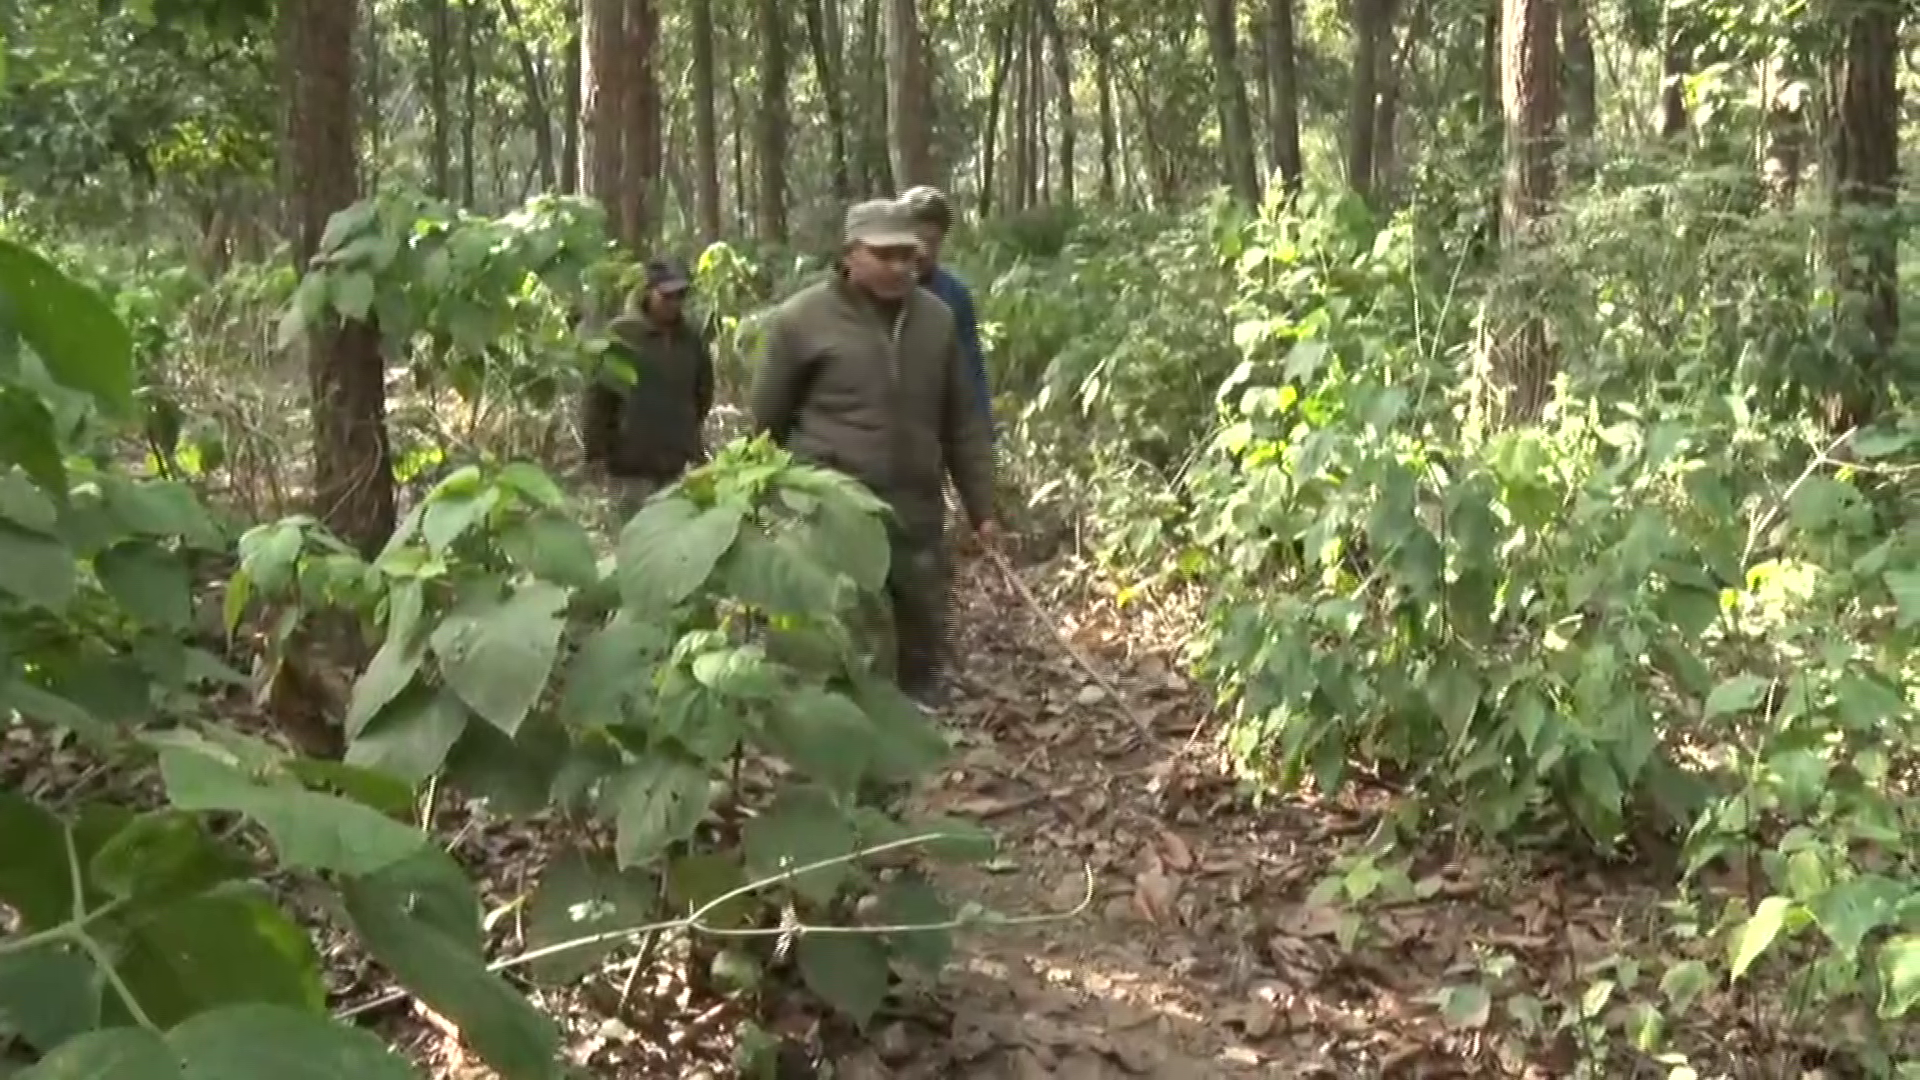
(1199, 952)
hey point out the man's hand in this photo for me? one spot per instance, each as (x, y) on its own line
(988, 535)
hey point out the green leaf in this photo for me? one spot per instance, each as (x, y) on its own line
(149, 581)
(412, 736)
(1684, 982)
(48, 995)
(800, 828)
(1856, 907)
(1736, 695)
(449, 975)
(911, 900)
(115, 1054)
(1800, 777)
(447, 518)
(37, 569)
(70, 327)
(532, 482)
(1468, 1006)
(1899, 969)
(669, 549)
(310, 830)
(780, 576)
(552, 547)
(657, 802)
(823, 733)
(512, 775)
(853, 542)
(161, 510)
(36, 703)
(742, 673)
(906, 743)
(498, 655)
(581, 896)
(698, 879)
(1760, 931)
(1905, 587)
(164, 855)
(26, 505)
(353, 294)
(611, 666)
(30, 438)
(247, 1042)
(216, 949)
(34, 874)
(397, 661)
(848, 971)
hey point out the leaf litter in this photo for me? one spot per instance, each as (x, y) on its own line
(1205, 950)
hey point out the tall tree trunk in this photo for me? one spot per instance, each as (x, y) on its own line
(1230, 98)
(1783, 151)
(352, 470)
(771, 121)
(375, 91)
(1109, 122)
(601, 98)
(539, 114)
(1063, 95)
(1676, 61)
(876, 141)
(996, 100)
(439, 103)
(911, 141)
(1866, 170)
(469, 101)
(639, 125)
(706, 128)
(1370, 21)
(1524, 364)
(1386, 165)
(1583, 107)
(573, 72)
(826, 71)
(1286, 94)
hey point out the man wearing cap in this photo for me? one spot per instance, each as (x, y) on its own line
(933, 220)
(645, 432)
(863, 373)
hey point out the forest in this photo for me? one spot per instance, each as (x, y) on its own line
(1456, 615)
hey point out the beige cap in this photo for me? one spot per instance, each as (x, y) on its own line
(881, 223)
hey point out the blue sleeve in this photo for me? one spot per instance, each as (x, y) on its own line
(967, 323)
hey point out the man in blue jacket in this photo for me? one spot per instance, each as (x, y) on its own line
(933, 216)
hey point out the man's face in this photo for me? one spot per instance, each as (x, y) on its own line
(886, 272)
(668, 302)
(930, 239)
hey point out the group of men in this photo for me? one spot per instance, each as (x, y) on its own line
(875, 371)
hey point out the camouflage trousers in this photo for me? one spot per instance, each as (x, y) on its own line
(912, 634)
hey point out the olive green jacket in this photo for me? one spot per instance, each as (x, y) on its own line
(651, 428)
(883, 397)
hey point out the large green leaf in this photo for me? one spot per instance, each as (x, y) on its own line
(310, 830)
(552, 547)
(48, 995)
(70, 327)
(227, 947)
(395, 663)
(34, 877)
(412, 735)
(581, 896)
(802, 827)
(906, 744)
(30, 438)
(824, 733)
(780, 575)
(848, 971)
(243, 1042)
(498, 655)
(409, 939)
(852, 541)
(669, 549)
(911, 900)
(657, 802)
(149, 581)
(613, 664)
(162, 856)
(35, 568)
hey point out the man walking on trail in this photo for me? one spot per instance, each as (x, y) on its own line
(646, 432)
(933, 220)
(863, 373)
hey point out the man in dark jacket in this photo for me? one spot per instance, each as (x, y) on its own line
(646, 432)
(933, 220)
(863, 373)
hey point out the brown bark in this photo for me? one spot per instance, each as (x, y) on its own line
(771, 122)
(1579, 74)
(1230, 98)
(1062, 58)
(570, 113)
(706, 126)
(601, 98)
(1285, 119)
(539, 113)
(352, 472)
(1530, 79)
(996, 99)
(826, 71)
(1866, 169)
(1109, 120)
(908, 89)
(1370, 20)
(439, 105)
(639, 125)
